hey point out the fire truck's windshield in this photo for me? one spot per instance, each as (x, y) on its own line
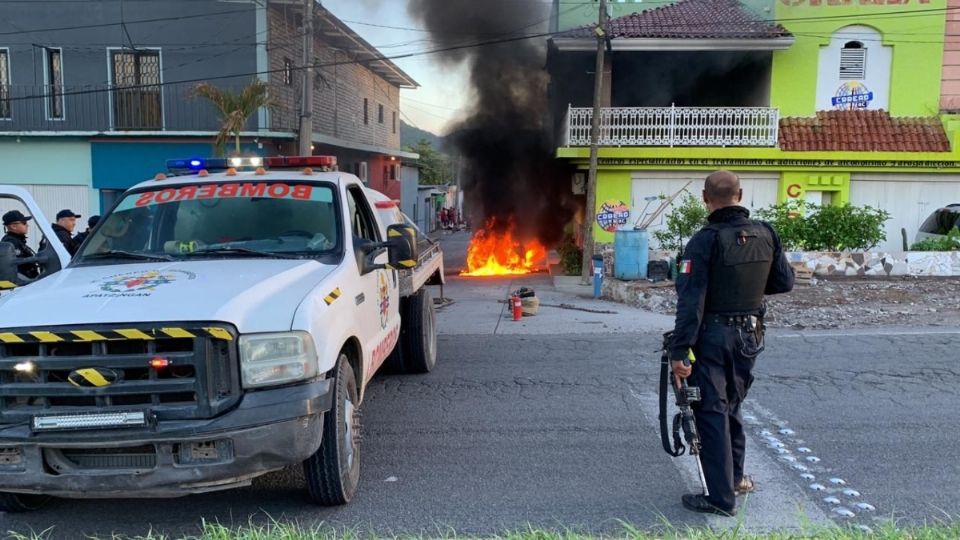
(237, 219)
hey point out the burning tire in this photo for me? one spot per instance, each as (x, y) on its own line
(333, 472)
(418, 335)
(17, 502)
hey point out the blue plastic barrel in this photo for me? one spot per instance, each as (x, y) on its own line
(630, 254)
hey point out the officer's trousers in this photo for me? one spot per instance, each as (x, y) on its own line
(723, 374)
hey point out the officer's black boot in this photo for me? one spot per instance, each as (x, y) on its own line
(699, 503)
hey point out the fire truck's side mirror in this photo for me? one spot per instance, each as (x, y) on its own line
(8, 266)
(402, 246)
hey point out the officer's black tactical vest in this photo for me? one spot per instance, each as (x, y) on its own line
(739, 267)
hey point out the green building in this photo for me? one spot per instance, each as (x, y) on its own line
(831, 101)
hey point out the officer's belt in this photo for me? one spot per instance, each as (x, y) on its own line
(739, 319)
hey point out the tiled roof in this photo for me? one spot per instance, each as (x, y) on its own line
(689, 19)
(862, 131)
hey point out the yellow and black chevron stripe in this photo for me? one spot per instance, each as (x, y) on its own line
(117, 334)
(411, 234)
(332, 297)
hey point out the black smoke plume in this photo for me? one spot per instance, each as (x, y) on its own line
(509, 172)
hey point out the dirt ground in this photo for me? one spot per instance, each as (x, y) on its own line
(846, 303)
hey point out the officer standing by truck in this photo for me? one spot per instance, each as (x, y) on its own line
(724, 272)
(16, 226)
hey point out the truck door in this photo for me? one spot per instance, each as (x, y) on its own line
(55, 254)
(377, 300)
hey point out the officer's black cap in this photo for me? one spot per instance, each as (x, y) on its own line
(15, 216)
(92, 222)
(66, 213)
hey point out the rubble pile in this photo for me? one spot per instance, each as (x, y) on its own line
(839, 303)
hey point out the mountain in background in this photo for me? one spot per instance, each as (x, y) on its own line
(410, 136)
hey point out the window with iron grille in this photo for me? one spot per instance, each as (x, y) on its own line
(54, 84)
(853, 61)
(4, 84)
(137, 97)
(380, 113)
(287, 72)
(394, 121)
(366, 111)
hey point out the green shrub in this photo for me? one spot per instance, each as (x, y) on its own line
(787, 220)
(571, 256)
(683, 222)
(950, 242)
(847, 227)
(808, 227)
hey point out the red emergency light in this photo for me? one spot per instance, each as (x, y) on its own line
(301, 161)
(385, 204)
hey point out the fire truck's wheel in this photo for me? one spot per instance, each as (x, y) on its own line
(393, 365)
(18, 502)
(419, 335)
(333, 472)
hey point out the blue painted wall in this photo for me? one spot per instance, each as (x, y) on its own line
(120, 165)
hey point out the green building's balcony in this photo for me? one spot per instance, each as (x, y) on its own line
(675, 126)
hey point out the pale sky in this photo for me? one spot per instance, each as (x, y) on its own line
(443, 91)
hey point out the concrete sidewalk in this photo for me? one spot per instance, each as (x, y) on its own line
(476, 306)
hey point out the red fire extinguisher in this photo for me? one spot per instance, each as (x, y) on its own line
(517, 307)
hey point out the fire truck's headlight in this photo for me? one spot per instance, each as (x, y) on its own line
(279, 358)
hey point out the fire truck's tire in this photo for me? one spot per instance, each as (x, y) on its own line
(393, 365)
(18, 502)
(419, 333)
(333, 472)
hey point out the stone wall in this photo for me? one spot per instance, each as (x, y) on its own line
(879, 263)
(871, 263)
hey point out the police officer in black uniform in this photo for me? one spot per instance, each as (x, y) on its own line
(16, 227)
(724, 272)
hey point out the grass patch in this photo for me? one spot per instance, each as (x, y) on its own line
(291, 531)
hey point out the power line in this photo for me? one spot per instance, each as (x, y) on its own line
(295, 68)
(120, 23)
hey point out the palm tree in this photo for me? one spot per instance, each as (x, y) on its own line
(234, 108)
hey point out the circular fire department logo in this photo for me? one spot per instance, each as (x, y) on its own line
(143, 281)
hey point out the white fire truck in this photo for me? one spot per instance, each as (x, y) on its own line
(216, 325)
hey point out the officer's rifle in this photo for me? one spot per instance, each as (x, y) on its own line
(683, 420)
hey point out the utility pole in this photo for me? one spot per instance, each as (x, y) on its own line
(591, 210)
(306, 105)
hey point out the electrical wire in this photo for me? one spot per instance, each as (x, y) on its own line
(119, 23)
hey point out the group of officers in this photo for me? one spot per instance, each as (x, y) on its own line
(16, 226)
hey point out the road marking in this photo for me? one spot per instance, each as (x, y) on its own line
(876, 332)
(778, 503)
(843, 502)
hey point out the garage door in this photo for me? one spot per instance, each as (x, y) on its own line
(52, 199)
(909, 199)
(759, 191)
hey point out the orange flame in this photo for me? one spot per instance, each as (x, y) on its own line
(493, 253)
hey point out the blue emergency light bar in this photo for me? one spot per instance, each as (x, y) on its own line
(214, 164)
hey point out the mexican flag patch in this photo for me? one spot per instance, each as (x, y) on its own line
(685, 267)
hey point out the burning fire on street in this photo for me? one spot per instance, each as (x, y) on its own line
(494, 252)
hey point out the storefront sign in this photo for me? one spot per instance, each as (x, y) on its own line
(852, 2)
(852, 95)
(755, 162)
(793, 191)
(612, 215)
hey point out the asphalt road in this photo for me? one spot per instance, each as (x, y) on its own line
(559, 431)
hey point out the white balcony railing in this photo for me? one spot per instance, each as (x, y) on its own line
(675, 126)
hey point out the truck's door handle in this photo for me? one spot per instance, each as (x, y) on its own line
(360, 298)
